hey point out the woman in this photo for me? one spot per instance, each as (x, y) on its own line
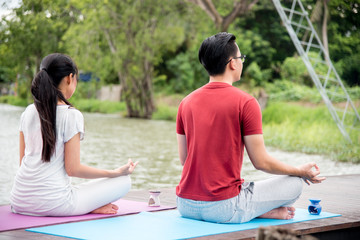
(50, 134)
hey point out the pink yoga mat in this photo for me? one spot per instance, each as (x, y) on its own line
(11, 221)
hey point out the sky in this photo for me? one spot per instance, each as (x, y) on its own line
(10, 4)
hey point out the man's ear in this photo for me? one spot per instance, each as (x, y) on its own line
(232, 65)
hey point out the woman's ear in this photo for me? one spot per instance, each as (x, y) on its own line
(70, 78)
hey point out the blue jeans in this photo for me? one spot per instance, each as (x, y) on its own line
(254, 199)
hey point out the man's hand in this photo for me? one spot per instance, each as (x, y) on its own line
(310, 173)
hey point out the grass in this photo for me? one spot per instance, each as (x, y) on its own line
(13, 100)
(165, 112)
(84, 105)
(293, 127)
(94, 105)
(166, 106)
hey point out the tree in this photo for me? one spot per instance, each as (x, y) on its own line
(222, 23)
(320, 17)
(136, 33)
(32, 31)
(344, 38)
(344, 28)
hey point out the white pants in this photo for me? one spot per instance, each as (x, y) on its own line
(97, 193)
(80, 199)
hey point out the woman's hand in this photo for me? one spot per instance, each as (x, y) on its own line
(310, 172)
(126, 169)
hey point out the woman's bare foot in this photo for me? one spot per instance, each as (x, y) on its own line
(107, 209)
(280, 213)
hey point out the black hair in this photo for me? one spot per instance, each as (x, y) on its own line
(45, 91)
(215, 51)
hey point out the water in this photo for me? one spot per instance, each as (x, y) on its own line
(110, 140)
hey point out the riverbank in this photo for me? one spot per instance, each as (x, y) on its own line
(299, 126)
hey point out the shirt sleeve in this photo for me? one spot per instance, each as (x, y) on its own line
(21, 127)
(251, 118)
(179, 122)
(74, 124)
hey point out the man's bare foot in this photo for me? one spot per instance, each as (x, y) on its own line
(107, 209)
(280, 213)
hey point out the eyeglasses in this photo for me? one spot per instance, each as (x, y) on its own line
(242, 57)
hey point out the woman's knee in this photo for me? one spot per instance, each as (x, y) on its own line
(125, 182)
(118, 186)
(296, 185)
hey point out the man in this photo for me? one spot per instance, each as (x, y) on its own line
(214, 123)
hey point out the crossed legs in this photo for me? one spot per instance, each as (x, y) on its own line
(97, 196)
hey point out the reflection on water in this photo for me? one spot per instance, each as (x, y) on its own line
(110, 140)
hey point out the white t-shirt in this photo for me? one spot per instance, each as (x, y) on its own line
(44, 188)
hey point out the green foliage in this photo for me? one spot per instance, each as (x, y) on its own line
(140, 43)
(256, 76)
(182, 68)
(188, 73)
(165, 112)
(350, 69)
(283, 90)
(265, 21)
(134, 35)
(296, 113)
(344, 28)
(6, 74)
(86, 90)
(14, 100)
(180, 71)
(344, 38)
(293, 127)
(254, 47)
(33, 31)
(354, 92)
(88, 44)
(294, 69)
(94, 105)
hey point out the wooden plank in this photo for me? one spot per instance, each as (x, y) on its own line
(339, 194)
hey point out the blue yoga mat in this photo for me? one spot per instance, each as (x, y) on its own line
(161, 225)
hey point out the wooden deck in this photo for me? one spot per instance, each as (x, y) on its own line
(339, 194)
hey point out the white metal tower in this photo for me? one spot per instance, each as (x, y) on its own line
(318, 63)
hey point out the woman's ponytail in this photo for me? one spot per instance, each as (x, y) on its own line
(46, 94)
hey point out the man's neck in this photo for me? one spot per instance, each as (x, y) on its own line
(221, 78)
